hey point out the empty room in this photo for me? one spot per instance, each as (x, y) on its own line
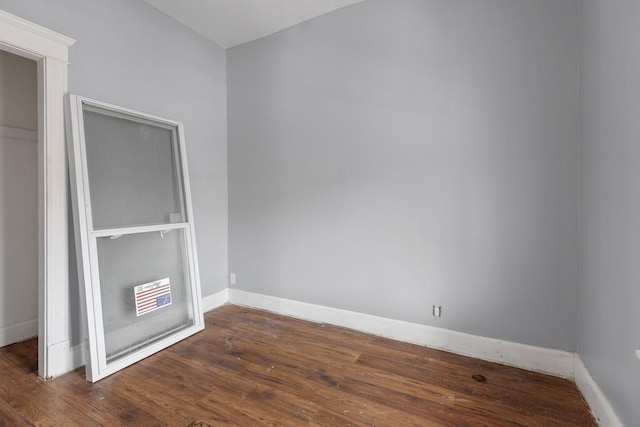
(319, 212)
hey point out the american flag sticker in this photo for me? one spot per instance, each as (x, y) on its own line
(152, 296)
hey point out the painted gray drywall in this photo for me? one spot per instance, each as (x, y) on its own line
(130, 54)
(609, 294)
(397, 154)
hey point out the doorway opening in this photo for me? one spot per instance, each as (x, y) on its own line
(18, 198)
(49, 50)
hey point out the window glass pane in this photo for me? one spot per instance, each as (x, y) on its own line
(137, 259)
(133, 170)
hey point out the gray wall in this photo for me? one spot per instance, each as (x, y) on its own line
(394, 155)
(397, 154)
(609, 295)
(130, 54)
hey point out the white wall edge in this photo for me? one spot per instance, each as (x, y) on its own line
(216, 300)
(549, 361)
(597, 401)
(18, 134)
(18, 332)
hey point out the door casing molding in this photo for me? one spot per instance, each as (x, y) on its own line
(50, 50)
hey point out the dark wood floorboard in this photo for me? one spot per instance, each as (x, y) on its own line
(252, 368)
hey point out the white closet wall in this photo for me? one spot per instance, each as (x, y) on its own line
(18, 199)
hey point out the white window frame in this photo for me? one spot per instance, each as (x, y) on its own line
(86, 237)
(50, 50)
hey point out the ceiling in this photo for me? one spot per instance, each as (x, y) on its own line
(233, 22)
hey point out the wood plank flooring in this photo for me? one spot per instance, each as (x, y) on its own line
(252, 368)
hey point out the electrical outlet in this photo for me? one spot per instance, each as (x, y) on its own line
(437, 310)
(638, 354)
(232, 278)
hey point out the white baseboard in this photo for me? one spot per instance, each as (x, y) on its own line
(18, 134)
(65, 358)
(549, 361)
(216, 300)
(598, 402)
(18, 332)
(554, 362)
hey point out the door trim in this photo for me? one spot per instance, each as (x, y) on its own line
(50, 50)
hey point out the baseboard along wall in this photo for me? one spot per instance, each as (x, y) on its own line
(597, 401)
(216, 300)
(18, 332)
(549, 361)
(559, 363)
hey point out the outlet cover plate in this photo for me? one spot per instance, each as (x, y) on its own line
(437, 310)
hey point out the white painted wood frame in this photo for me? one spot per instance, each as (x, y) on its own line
(50, 50)
(98, 366)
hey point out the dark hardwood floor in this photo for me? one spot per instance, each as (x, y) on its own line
(251, 368)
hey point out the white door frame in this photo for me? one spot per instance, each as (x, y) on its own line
(50, 50)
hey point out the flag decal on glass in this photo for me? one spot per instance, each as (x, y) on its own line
(152, 296)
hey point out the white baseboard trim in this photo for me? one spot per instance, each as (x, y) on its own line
(18, 332)
(65, 358)
(554, 362)
(18, 134)
(597, 401)
(216, 300)
(549, 361)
